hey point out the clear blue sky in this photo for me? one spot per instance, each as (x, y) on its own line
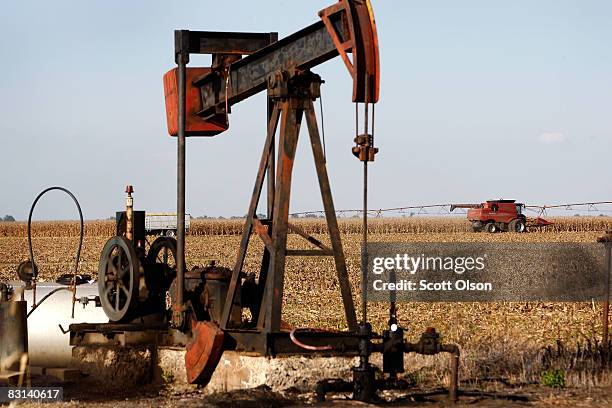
(479, 99)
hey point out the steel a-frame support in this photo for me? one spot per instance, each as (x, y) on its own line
(290, 101)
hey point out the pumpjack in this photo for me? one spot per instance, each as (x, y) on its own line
(207, 306)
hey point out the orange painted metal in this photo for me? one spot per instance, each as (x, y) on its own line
(195, 125)
(364, 64)
(539, 222)
(203, 352)
(497, 211)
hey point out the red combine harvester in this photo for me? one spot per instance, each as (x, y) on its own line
(500, 215)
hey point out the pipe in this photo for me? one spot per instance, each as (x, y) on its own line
(607, 241)
(78, 252)
(306, 346)
(364, 238)
(429, 344)
(129, 213)
(181, 58)
(453, 349)
(606, 302)
(47, 296)
(331, 385)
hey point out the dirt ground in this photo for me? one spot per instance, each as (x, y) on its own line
(490, 395)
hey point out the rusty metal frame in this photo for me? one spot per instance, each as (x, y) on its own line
(287, 111)
(362, 42)
(228, 42)
(287, 114)
(185, 43)
(347, 26)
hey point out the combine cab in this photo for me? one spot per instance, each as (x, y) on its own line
(500, 215)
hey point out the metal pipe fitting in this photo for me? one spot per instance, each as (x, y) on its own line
(129, 213)
(453, 387)
(429, 344)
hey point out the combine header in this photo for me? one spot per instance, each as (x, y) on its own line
(500, 215)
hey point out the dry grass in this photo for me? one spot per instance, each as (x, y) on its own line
(496, 338)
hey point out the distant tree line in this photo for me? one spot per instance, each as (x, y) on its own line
(8, 218)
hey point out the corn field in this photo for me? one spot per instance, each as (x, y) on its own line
(488, 333)
(411, 225)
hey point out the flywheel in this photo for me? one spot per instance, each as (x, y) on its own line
(118, 279)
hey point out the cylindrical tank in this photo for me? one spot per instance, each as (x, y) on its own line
(47, 345)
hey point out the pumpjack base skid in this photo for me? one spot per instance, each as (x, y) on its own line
(280, 343)
(124, 334)
(248, 341)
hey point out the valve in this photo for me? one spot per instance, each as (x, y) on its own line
(393, 351)
(84, 300)
(429, 343)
